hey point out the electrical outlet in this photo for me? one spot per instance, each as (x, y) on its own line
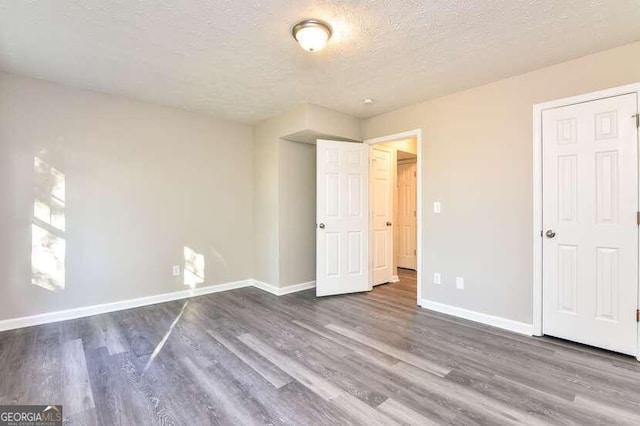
(437, 278)
(437, 207)
(176, 270)
(460, 283)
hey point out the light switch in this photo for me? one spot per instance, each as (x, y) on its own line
(460, 283)
(437, 207)
(437, 279)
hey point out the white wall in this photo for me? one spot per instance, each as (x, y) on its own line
(477, 150)
(142, 182)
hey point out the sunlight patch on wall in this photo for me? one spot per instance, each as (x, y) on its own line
(48, 246)
(193, 268)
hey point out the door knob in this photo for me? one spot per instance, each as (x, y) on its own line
(388, 223)
(550, 234)
(321, 226)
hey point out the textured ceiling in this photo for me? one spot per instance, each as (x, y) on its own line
(236, 59)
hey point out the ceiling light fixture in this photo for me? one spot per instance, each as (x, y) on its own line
(367, 101)
(311, 34)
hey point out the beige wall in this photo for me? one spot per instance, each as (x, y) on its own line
(478, 163)
(297, 212)
(285, 188)
(266, 196)
(142, 182)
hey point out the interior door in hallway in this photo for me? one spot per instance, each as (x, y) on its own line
(383, 160)
(342, 243)
(590, 231)
(407, 232)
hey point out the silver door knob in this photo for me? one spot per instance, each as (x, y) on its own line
(321, 226)
(388, 223)
(550, 234)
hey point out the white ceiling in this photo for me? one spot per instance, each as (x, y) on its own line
(236, 59)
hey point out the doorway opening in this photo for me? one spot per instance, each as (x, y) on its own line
(395, 208)
(392, 210)
(354, 241)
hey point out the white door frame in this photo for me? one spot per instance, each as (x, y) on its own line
(537, 189)
(417, 133)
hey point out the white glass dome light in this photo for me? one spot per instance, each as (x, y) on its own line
(311, 35)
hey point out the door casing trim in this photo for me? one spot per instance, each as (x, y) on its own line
(537, 229)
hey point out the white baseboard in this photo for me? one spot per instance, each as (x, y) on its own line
(395, 279)
(266, 287)
(86, 311)
(499, 322)
(281, 291)
(297, 287)
(117, 306)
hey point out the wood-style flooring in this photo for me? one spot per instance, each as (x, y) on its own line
(247, 357)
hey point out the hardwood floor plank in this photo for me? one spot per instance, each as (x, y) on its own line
(176, 392)
(331, 367)
(617, 414)
(271, 373)
(403, 414)
(383, 380)
(407, 357)
(455, 393)
(237, 406)
(373, 356)
(361, 412)
(14, 365)
(109, 402)
(302, 374)
(352, 406)
(77, 388)
(83, 418)
(42, 370)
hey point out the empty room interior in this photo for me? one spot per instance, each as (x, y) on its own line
(319, 213)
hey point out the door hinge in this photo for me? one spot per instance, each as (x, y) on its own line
(638, 218)
(415, 252)
(637, 315)
(637, 117)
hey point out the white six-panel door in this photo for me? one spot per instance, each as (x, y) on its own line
(342, 249)
(382, 168)
(407, 233)
(590, 236)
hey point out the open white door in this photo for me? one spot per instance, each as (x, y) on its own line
(383, 160)
(342, 221)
